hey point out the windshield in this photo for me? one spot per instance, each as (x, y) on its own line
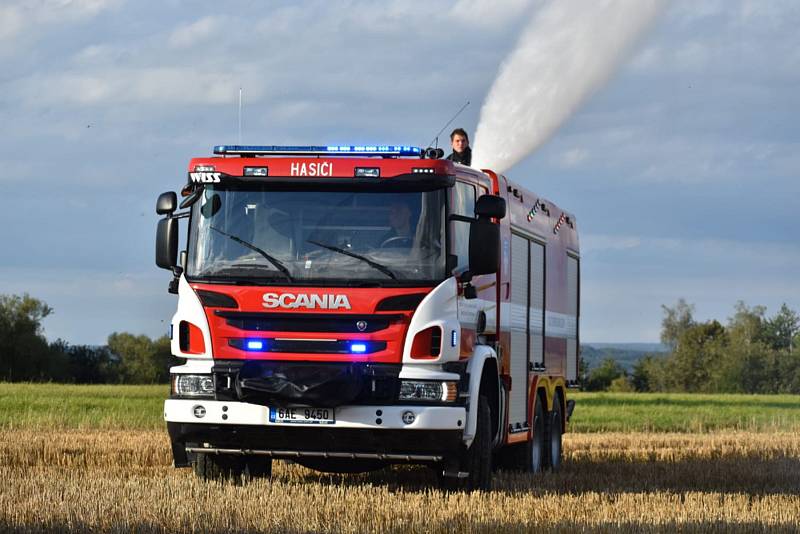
(257, 235)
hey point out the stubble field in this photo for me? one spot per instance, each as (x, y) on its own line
(736, 468)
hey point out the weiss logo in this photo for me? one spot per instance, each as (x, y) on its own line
(204, 177)
(301, 300)
(312, 169)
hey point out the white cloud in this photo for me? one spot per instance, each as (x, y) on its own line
(489, 14)
(726, 251)
(35, 15)
(10, 22)
(572, 158)
(200, 30)
(599, 242)
(115, 86)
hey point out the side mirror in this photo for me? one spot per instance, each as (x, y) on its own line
(167, 202)
(484, 245)
(167, 243)
(490, 206)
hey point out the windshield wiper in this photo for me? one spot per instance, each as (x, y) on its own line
(382, 268)
(274, 261)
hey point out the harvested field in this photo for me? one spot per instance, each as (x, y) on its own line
(122, 481)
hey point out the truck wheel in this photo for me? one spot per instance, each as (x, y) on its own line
(217, 466)
(477, 460)
(257, 466)
(554, 432)
(479, 455)
(227, 467)
(536, 446)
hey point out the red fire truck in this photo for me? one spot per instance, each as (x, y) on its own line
(350, 307)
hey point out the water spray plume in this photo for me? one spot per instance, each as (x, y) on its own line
(570, 49)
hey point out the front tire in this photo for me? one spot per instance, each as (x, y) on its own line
(227, 467)
(477, 459)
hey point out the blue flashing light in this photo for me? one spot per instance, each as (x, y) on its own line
(453, 338)
(255, 344)
(354, 150)
(358, 348)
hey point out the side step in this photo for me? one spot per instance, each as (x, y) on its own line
(320, 454)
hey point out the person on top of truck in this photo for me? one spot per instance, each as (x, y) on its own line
(462, 153)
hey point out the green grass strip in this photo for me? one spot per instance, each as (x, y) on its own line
(63, 406)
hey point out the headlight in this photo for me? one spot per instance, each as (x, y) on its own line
(425, 390)
(193, 385)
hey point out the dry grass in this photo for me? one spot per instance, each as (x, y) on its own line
(122, 481)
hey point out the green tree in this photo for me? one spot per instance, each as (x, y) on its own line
(695, 363)
(141, 359)
(747, 325)
(24, 352)
(601, 377)
(676, 321)
(650, 374)
(780, 330)
(621, 384)
(748, 365)
(85, 364)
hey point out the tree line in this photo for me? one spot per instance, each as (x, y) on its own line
(751, 353)
(26, 355)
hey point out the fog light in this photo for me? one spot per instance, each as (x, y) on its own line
(199, 411)
(409, 417)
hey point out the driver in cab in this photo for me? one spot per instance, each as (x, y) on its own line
(400, 234)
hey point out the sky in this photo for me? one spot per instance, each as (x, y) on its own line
(682, 170)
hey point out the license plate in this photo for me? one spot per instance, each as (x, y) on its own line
(302, 416)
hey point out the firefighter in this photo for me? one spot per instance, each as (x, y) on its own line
(400, 227)
(462, 153)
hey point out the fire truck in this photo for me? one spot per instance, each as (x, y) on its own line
(351, 307)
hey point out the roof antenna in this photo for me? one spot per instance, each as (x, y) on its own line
(436, 139)
(240, 115)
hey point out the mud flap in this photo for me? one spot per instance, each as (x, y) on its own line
(570, 408)
(180, 457)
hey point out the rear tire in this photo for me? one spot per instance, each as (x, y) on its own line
(535, 448)
(555, 432)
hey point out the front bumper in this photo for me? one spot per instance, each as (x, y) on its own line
(376, 432)
(362, 417)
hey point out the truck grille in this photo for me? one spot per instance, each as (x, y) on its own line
(312, 346)
(308, 322)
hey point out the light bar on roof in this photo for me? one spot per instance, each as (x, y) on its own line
(355, 150)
